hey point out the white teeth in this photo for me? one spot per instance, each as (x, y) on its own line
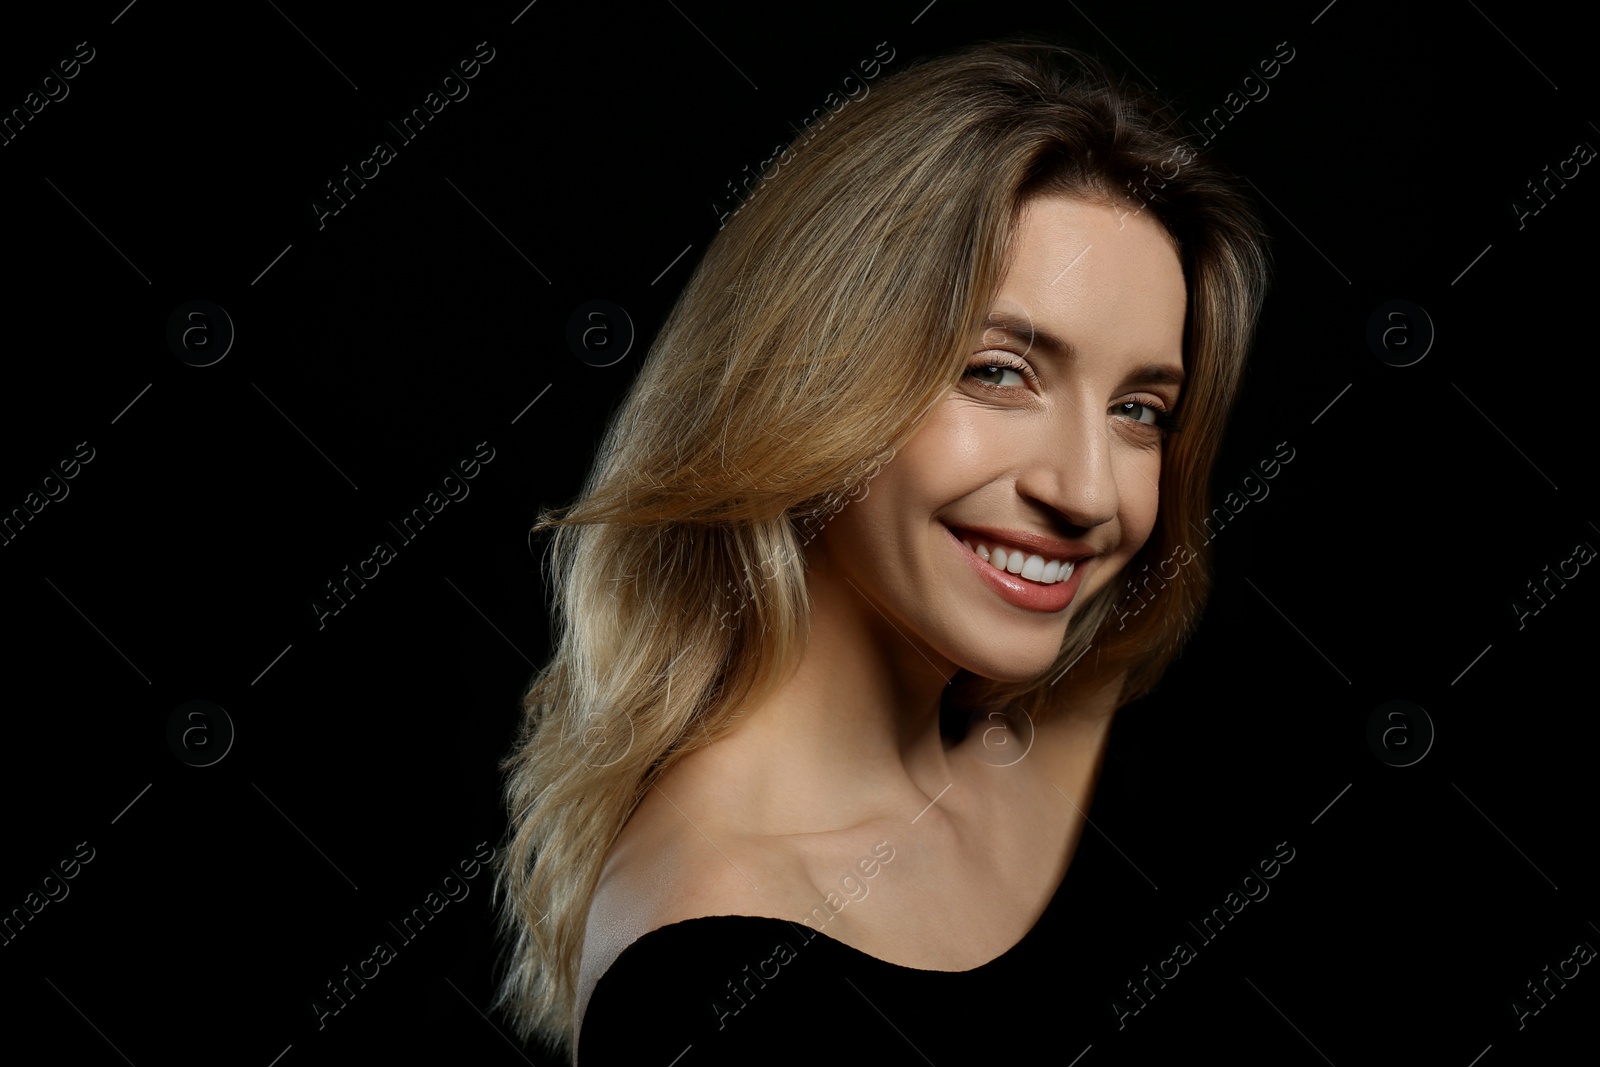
(1033, 567)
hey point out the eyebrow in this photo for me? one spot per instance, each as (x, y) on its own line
(1020, 326)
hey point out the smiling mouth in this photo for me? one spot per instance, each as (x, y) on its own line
(1017, 562)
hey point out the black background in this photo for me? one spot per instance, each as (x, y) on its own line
(376, 350)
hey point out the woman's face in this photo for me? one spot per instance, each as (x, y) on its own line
(1053, 433)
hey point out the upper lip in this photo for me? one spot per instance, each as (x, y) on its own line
(1047, 547)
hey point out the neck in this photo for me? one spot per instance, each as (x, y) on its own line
(851, 733)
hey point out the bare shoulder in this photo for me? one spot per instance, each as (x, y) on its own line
(667, 866)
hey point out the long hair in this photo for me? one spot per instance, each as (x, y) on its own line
(868, 255)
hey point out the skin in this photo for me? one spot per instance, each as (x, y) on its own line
(847, 752)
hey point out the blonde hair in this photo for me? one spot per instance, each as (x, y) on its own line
(870, 256)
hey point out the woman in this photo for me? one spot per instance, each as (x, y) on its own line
(890, 525)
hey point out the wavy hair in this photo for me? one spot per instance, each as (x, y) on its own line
(870, 254)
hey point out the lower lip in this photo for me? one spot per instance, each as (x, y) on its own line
(1031, 596)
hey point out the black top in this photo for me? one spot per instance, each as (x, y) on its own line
(735, 989)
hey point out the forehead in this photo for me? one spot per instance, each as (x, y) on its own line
(1103, 275)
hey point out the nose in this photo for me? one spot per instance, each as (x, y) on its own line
(1071, 466)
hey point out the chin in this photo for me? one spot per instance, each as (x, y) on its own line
(1010, 669)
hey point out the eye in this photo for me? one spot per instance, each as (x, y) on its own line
(992, 372)
(1138, 412)
(1156, 418)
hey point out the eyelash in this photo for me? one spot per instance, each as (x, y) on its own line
(1165, 423)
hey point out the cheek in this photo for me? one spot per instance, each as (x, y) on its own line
(862, 528)
(1138, 503)
(887, 517)
(933, 468)
(1141, 506)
